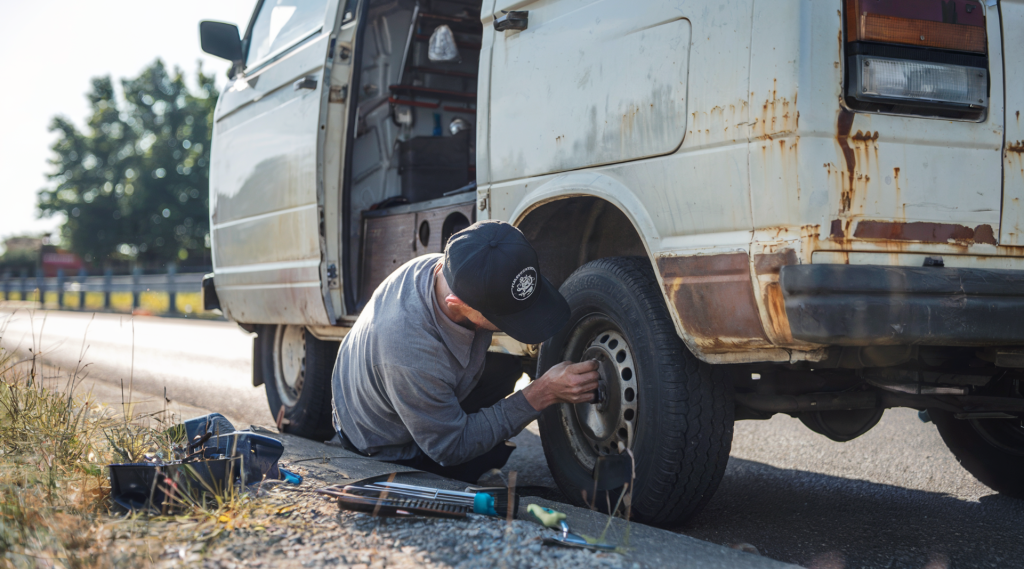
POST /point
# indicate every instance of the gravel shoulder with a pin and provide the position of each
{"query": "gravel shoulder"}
(481, 541)
(291, 526)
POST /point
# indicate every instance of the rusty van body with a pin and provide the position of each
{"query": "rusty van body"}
(828, 195)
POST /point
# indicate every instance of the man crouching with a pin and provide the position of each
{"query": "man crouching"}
(414, 383)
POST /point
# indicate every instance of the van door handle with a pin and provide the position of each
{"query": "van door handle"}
(307, 82)
(515, 20)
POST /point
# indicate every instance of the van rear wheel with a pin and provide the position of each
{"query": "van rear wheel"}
(297, 371)
(990, 449)
(673, 411)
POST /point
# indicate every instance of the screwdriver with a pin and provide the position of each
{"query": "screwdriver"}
(552, 519)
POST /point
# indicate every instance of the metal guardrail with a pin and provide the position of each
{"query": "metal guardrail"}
(135, 283)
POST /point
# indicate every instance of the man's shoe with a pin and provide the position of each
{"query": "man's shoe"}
(493, 478)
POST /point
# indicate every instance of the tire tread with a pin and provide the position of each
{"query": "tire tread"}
(696, 404)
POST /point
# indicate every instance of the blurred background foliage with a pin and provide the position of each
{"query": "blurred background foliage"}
(134, 185)
(15, 261)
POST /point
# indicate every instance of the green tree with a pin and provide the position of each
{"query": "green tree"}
(135, 184)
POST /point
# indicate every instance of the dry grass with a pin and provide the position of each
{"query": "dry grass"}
(52, 484)
(55, 507)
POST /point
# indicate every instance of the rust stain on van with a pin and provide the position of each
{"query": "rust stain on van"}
(766, 268)
(863, 137)
(780, 161)
(837, 231)
(629, 119)
(778, 116)
(1016, 147)
(778, 320)
(844, 122)
(719, 123)
(898, 195)
(984, 234)
(714, 296)
(925, 231)
(859, 161)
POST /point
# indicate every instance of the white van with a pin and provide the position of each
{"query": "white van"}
(752, 206)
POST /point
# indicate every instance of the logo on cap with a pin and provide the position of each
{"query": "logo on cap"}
(524, 284)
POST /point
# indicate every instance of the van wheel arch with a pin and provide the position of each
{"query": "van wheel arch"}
(572, 231)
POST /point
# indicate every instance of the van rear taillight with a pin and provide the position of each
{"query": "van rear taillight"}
(944, 24)
(926, 57)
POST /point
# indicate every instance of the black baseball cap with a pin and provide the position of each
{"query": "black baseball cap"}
(493, 268)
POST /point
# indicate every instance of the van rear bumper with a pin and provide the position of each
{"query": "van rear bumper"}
(866, 305)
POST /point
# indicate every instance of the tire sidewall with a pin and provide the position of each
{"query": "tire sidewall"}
(592, 292)
(997, 469)
(305, 418)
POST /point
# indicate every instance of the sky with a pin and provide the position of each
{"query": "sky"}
(53, 48)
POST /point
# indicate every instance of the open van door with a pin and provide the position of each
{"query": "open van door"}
(270, 256)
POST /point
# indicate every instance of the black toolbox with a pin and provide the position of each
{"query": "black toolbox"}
(432, 165)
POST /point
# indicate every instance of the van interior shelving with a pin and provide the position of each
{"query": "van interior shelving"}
(413, 147)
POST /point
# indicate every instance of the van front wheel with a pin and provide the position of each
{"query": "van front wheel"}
(673, 411)
(297, 374)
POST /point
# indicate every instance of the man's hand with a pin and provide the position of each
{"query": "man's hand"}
(564, 383)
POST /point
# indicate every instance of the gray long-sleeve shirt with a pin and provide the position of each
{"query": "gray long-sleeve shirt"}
(403, 369)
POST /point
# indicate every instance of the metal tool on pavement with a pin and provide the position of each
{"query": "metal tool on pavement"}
(555, 519)
(486, 503)
(387, 504)
(396, 499)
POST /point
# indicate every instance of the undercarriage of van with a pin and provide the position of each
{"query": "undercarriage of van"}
(974, 396)
(928, 338)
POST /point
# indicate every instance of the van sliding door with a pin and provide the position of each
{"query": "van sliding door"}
(587, 83)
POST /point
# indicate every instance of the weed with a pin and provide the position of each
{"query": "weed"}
(51, 480)
(623, 505)
(54, 487)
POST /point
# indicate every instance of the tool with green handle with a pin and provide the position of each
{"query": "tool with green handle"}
(555, 519)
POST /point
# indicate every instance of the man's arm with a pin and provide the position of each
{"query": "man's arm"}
(430, 410)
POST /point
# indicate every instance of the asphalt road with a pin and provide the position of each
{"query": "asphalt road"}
(893, 498)
(201, 363)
